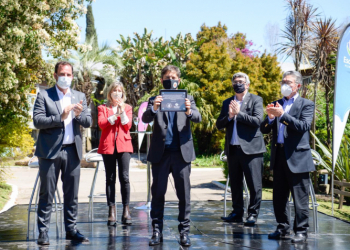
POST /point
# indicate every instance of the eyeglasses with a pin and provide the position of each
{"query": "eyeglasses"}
(286, 82)
(238, 82)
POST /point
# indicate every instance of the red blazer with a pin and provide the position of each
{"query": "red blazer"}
(123, 141)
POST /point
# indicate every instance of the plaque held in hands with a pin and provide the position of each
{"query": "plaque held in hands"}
(173, 100)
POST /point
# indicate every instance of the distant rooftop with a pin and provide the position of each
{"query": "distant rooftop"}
(287, 66)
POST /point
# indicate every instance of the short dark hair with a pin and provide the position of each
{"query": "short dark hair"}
(62, 63)
(170, 68)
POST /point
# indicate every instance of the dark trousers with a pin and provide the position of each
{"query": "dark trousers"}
(171, 162)
(68, 163)
(251, 166)
(284, 182)
(123, 159)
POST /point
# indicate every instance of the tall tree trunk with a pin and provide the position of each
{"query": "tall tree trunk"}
(328, 120)
(313, 141)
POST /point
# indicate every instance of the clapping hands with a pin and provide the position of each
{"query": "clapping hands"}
(274, 110)
(233, 109)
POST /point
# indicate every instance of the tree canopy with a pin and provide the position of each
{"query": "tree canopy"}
(90, 31)
(27, 28)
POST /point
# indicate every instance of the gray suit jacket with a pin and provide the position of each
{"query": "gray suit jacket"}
(160, 119)
(296, 135)
(248, 122)
(47, 117)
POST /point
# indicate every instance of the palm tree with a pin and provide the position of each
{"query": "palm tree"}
(91, 65)
(297, 31)
(326, 38)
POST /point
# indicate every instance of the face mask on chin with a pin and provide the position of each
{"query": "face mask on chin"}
(170, 84)
(239, 88)
(286, 90)
(64, 82)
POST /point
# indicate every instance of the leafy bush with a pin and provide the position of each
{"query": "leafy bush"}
(342, 166)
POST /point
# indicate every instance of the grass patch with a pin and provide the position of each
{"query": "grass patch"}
(324, 205)
(204, 161)
(5, 192)
(266, 192)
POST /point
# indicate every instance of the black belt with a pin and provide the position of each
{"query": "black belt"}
(279, 145)
(236, 146)
(171, 149)
(67, 145)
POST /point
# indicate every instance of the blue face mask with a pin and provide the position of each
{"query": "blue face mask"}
(239, 88)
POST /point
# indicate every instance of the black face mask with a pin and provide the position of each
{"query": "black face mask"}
(239, 88)
(170, 84)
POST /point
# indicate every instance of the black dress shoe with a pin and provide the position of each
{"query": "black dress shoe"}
(185, 240)
(232, 217)
(278, 235)
(156, 238)
(75, 235)
(299, 238)
(251, 220)
(43, 239)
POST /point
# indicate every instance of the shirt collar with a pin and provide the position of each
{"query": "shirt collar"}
(291, 99)
(60, 93)
(242, 98)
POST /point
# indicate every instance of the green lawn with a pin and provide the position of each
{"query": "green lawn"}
(202, 161)
(211, 161)
(5, 192)
(324, 205)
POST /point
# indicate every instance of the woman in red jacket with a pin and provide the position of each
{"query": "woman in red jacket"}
(115, 119)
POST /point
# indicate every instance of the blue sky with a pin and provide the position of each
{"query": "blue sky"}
(168, 18)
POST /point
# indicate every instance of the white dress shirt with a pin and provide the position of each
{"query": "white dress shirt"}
(234, 138)
(65, 100)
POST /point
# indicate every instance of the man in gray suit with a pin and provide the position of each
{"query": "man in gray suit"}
(241, 115)
(171, 150)
(290, 119)
(58, 113)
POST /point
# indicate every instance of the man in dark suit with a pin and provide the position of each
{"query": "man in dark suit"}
(291, 160)
(58, 113)
(241, 115)
(171, 150)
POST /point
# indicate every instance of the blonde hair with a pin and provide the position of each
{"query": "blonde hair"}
(112, 87)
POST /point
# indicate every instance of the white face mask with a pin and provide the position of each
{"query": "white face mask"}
(116, 95)
(64, 82)
(286, 90)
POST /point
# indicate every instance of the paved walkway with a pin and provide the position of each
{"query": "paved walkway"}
(201, 178)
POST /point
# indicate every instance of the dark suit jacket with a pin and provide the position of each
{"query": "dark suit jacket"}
(248, 122)
(47, 117)
(296, 135)
(160, 129)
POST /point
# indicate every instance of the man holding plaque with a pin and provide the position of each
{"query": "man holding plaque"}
(241, 115)
(171, 150)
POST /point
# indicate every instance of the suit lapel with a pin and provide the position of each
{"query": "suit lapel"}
(165, 117)
(280, 101)
(52, 92)
(295, 107)
(245, 101)
(74, 97)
